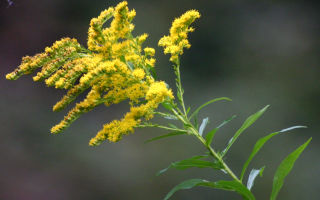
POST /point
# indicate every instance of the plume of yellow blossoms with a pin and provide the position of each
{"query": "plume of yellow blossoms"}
(113, 68)
(178, 38)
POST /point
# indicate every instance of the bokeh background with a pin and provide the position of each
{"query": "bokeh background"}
(255, 52)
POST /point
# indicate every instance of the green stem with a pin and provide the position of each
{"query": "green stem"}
(195, 132)
(160, 126)
(190, 128)
(179, 87)
(217, 156)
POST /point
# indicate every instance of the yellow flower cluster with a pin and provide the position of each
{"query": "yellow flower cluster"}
(50, 60)
(156, 94)
(178, 38)
(114, 68)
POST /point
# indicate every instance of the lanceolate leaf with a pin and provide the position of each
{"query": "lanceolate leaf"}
(224, 185)
(188, 110)
(210, 135)
(249, 121)
(184, 185)
(291, 128)
(165, 136)
(284, 169)
(259, 144)
(226, 121)
(123, 59)
(167, 105)
(207, 103)
(233, 186)
(171, 117)
(191, 162)
(153, 71)
(172, 125)
(252, 176)
(203, 125)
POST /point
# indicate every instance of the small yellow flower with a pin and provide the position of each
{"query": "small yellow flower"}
(151, 62)
(142, 38)
(149, 51)
(139, 73)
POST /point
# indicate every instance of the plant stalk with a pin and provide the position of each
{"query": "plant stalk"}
(195, 132)
(189, 127)
(179, 87)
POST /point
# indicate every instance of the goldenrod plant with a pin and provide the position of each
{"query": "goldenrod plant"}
(116, 67)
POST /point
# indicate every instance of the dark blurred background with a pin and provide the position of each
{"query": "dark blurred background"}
(255, 52)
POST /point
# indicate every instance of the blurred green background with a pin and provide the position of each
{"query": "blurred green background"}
(255, 52)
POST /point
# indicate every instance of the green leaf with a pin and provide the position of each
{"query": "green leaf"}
(184, 185)
(165, 136)
(226, 121)
(233, 186)
(196, 124)
(252, 176)
(259, 144)
(207, 103)
(191, 162)
(224, 185)
(123, 59)
(203, 125)
(210, 135)
(249, 121)
(166, 115)
(188, 110)
(284, 169)
(167, 105)
(172, 126)
(153, 71)
(170, 117)
(291, 128)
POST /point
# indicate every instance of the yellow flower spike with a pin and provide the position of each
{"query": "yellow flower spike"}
(70, 72)
(48, 69)
(107, 67)
(178, 38)
(69, 97)
(67, 75)
(24, 68)
(120, 25)
(92, 100)
(95, 33)
(65, 47)
(58, 76)
(103, 134)
(114, 131)
(61, 44)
